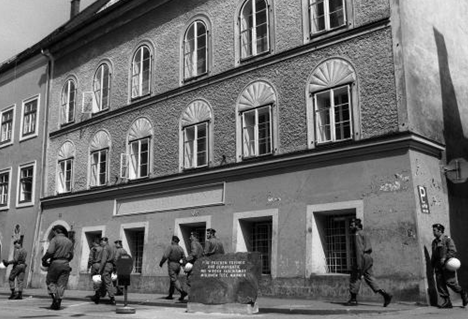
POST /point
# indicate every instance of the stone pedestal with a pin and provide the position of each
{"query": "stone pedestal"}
(225, 283)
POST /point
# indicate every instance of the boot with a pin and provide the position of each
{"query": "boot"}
(183, 294)
(352, 301)
(169, 297)
(12, 295)
(464, 297)
(96, 297)
(447, 304)
(112, 301)
(56, 304)
(19, 295)
(387, 297)
(53, 306)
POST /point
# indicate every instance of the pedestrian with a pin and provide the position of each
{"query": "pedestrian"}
(119, 251)
(106, 267)
(362, 267)
(213, 246)
(57, 258)
(174, 254)
(94, 263)
(18, 271)
(443, 248)
(196, 252)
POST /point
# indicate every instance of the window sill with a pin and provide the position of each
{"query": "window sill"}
(254, 57)
(139, 98)
(327, 33)
(28, 137)
(23, 205)
(194, 78)
(67, 124)
(6, 144)
(3, 208)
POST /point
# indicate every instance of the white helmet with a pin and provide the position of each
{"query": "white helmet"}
(188, 267)
(114, 276)
(452, 264)
(2, 265)
(97, 279)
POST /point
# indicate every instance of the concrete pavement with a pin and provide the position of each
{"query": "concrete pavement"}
(265, 304)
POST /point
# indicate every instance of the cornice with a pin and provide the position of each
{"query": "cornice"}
(308, 159)
(23, 67)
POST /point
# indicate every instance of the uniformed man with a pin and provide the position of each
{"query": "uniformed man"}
(106, 268)
(174, 254)
(213, 246)
(18, 271)
(196, 252)
(94, 263)
(57, 258)
(119, 251)
(443, 248)
(363, 266)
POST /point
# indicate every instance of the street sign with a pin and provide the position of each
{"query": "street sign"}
(457, 170)
(423, 200)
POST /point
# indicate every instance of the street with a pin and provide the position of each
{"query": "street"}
(38, 308)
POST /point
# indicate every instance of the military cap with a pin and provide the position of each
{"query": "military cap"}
(118, 241)
(105, 239)
(439, 227)
(18, 241)
(60, 229)
(175, 239)
(211, 230)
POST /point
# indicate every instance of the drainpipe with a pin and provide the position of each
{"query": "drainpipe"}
(74, 8)
(43, 185)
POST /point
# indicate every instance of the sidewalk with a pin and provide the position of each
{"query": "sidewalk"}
(265, 304)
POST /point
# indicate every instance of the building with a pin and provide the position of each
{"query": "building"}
(273, 121)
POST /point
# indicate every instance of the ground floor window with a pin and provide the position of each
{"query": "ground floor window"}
(136, 240)
(88, 236)
(339, 243)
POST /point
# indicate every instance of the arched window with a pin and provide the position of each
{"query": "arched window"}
(141, 72)
(68, 104)
(333, 107)
(326, 15)
(136, 163)
(195, 50)
(66, 156)
(101, 87)
(254, 28)
(196, 128)
(257, 118)
(99, 159)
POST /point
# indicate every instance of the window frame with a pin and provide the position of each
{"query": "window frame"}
(196, 74)
(194, 148)
(34, 122)
(98, 92)
(125, 229)
(62, 188)
(99, 152)
(87, 235)
(9, 141)
(256, 131)
(7, 194)
(137, 173)
(253, 36)
(140, 75)
(66, 102)
(23, 203)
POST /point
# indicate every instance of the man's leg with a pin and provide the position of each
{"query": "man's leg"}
(107, 281)
(372, 282)
(11, 281)
(20, 281)
(442, 289)
(354, 285)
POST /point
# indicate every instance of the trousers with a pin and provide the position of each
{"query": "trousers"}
(17, 273)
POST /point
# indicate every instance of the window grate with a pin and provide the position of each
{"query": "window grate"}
(339, 243)
(138, 240)
(261, 242)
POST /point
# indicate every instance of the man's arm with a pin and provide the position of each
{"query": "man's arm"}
(167, 252)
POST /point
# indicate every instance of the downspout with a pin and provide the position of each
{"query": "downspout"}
(36, 241)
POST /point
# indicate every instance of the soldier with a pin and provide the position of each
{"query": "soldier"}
(18, 271)
(174, 254)
(443, 248)
(213, 246)
(106, 268)
(119, 251)
(94, 262)
(57, 258)
(363, 266)
(196, 252)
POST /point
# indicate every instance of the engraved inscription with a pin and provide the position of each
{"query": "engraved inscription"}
(223, 269)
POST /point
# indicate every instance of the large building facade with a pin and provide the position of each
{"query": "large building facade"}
(273, 121)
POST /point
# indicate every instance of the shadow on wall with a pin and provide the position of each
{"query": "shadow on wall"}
(431, 287)
(456, 147)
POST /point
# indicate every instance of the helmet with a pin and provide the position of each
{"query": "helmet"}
(44, 268)
(97, 279)
(188, 267)
(2, 265)
(114, 276)
(452, 264)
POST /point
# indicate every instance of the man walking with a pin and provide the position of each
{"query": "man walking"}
(94, 263)
(174, 254)
(105, 270)
(213, 246)
(196, 252)
(119, 251)
(57, 258)
(363, 266)
(443, 248)
(18, 271)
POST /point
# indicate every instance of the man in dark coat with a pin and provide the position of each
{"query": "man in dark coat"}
(119, 251)
(94, 262)
(174, 254)
(443, 248)
(18, 271)
(213, 246)
(363, 266)
(196, 252)
(106, 267)
(57, 258)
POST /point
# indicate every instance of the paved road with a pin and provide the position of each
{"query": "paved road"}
(38, 308)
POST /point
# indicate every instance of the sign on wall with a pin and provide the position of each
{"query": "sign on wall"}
(423, 199)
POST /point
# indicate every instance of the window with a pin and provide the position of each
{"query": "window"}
(141, 72)
(101, 85)
(88, 236)
(196, 50)
(136, 162)
(333, 108)
(256, 131)
(7, 126)
(184, 226)
(136, 241)
(65, 174)
(254, 28)
(333, 114)
(99, 168)
(29, 118)
(326, 15)
(195, 145)
(260, 235)
(4, 189)
(26, 184)
(68, 102)
(139, 158)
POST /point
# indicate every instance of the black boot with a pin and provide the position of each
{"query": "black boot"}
(53, 306)
(464, 297)
(96, 297)
(352, 301)
(183, 294)
(387, 297)
(447, 304)
(19, 295)
(12, 295)
(112, 301)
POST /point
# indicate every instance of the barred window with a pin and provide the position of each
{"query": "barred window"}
(339, 243)
(136, 240)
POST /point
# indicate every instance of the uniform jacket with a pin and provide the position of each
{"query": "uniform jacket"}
(443, 248)
(363, 249)
(213, 246)
(173, 253)
(196, 251)
(19, 257)
(107, 256)
(60, 247)
(95, 255)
